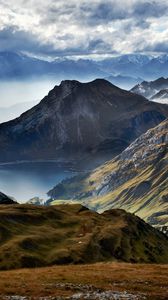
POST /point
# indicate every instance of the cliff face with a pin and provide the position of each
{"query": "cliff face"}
(136, 180)
(79, 120)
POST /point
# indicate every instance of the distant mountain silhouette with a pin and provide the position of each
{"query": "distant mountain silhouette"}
(161, 96)
(20, 66)
(149, 88)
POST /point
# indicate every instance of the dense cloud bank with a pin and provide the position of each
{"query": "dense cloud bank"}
(58, 28)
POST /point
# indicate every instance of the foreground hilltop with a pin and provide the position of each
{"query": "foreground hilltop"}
(79, 120)
(34, 236)
(136, 180)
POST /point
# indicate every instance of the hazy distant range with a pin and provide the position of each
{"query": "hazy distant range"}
(17, 96)
(24, 80)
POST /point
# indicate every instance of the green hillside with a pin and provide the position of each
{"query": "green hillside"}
(32, 236)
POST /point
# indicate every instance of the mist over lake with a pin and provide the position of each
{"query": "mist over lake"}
(24, 181)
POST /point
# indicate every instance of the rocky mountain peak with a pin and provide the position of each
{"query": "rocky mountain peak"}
(68, 86)
(65, 88)
(70, 83)
(77, 119)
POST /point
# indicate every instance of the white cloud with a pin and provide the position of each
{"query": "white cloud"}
(58, 28)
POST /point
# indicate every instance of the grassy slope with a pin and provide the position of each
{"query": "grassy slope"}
(32, 236)
(143, 205)
(122, 197)
(151, 205)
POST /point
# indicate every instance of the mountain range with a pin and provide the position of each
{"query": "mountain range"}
(20, 66)
(136, 180)
(137, 65)
(35, 236)
(161, 96)
(76, 121)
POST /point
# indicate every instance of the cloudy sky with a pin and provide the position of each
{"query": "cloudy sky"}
(84, 27)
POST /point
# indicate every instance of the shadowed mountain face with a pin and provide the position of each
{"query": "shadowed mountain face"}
(66, 234)
(77, 120)
(136, 180)
(5, 199)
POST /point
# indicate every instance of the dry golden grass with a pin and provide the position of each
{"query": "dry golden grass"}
(148, 280)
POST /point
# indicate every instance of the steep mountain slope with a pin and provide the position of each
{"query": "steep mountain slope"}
(150, 88)
(95, 120)
(5, 199)
(161, 96)
(136, 180)
(72, 234)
